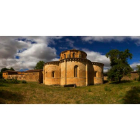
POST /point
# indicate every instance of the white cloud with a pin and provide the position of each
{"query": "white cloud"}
(71, 44)
(29, 54)
(110, 38)
(98, 57)
(103, 38)
(134, 65)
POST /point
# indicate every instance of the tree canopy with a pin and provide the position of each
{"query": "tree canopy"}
(0, 75)
(39, 65)
(4, 69)
(119, 64)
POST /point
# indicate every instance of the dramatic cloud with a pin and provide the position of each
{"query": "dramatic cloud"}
(103, 38)
(71, 44)
(98, 57)
(90, 39)
(134, 65)
(25, 52)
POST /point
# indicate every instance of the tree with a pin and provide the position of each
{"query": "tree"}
(3, 69)
(0, 75)
(138, 70)
(11, 69)
(119, 64)
(39, 65)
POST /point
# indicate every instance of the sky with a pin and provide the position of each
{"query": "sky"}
(23, 52)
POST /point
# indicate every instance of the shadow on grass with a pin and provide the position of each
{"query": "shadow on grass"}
(105, 81)
(124, 81)
(10, 96)
(132, 96)
(3, 85)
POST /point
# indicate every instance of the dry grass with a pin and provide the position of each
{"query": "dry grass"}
(34, 93)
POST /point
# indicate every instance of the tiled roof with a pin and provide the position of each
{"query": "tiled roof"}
(10, 71)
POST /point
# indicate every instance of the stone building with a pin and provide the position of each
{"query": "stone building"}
(73, 68)
(30, 75)
(6, 73)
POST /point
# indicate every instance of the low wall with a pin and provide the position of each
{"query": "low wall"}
(18, 77)
(133, 76)
(34, 78)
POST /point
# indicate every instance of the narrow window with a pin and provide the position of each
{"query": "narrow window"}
(73, 55)
(95, 73)
(75, 71)
(64, 56)
(46, 74)
(52, 73)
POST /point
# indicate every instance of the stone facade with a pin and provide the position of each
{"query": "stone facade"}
(73, 68)
(30, 75)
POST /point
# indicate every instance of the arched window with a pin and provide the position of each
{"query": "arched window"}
(73, 55)
(75, 71)
(52, 73)
(64, 56)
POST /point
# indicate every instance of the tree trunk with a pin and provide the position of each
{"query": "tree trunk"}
(119, 80)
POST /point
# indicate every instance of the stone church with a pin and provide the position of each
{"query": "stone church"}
(73, 67)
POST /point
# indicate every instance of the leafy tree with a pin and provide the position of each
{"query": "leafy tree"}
(0, 75)
(3, 69)
(39, 65)
(11, 69)
(119, 64)
(138, 70)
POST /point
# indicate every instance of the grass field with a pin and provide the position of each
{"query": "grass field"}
(34, 93)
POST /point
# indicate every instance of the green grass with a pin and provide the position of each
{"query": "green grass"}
(34, 93)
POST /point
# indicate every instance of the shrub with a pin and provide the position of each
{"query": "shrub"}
(107, 89)
(10, 81)
(24, 82)
(135, 79)
(89, 90)
(15, 81)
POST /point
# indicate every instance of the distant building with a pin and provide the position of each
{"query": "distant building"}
(73, 68)
(30, 75)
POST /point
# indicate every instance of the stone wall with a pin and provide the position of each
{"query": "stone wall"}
(98, 73)
(18, 77)
(133, 76)
(80, 80)
(48, 71)
(32, 76)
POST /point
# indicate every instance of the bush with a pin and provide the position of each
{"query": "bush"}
(9, 81)
(15, 81)
(24, 82)
(89, 90)
(135, 79)
(2, 81)
(107, 89)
